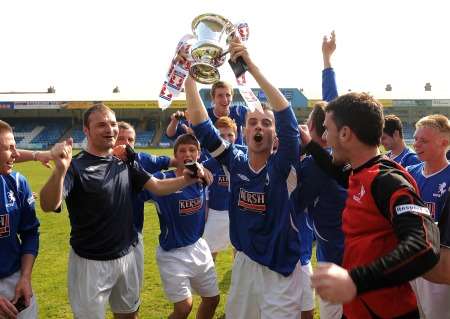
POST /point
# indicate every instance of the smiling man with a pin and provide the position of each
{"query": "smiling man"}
(19, 236)
(431, 141)
(98, 189)
(222, 97)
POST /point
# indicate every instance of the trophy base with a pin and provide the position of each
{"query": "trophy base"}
(204, 73)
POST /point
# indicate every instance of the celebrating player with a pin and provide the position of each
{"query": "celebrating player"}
(19, 236)
(264, 283)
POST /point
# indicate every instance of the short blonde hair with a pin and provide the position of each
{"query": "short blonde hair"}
(437, 121)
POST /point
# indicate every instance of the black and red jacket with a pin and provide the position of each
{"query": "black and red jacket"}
(390, 237)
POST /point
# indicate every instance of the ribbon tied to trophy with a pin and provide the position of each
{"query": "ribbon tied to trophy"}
(204, 52)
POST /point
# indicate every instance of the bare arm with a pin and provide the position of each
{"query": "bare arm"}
(162, 187)
(274, 96)
(328, 48)
(171, 129)
(195, 106)
(23, 286)
(441, 272)
(51, 193)
(42, 156)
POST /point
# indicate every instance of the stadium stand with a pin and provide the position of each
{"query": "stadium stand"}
(39, 133)
(39, 125)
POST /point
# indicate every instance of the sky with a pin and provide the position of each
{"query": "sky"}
(84, 48)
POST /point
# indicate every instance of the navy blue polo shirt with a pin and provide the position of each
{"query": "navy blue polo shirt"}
(98, 193)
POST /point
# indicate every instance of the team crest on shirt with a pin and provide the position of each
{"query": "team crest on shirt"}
(359, 196)
(252, 201)
(189, 206)
(442, 188)
(4, 226)
(222, 180)
(11, 199)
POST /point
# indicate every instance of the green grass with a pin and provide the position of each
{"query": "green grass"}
(50, 271)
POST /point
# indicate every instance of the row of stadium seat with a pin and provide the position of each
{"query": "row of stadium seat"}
(43, 133)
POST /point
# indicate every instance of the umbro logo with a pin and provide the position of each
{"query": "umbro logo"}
(92, 168)
(358, 197)
(243, 177)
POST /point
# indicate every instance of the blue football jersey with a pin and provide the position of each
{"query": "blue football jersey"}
(261, 221)
(18, 223)
(406, 158)
(324, 200)
(181, 214)
(433, 188)
(218, 191)
(306, 236)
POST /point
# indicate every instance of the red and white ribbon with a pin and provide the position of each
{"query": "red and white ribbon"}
(178, 71)
(246, 92)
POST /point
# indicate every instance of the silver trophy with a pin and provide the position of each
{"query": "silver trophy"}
(212, 33)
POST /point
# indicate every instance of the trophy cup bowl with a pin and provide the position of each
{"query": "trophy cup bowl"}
(211, 32)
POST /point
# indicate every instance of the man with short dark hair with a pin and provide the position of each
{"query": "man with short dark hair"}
(392, 140)
(19, 236)
(98, 190)
(265, 277)
(389, 235)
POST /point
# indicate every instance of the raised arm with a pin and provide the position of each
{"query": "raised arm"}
(275, 98)
(171, 129)
(329, 87)
(194, 104)
(328, 48)
(51, 193)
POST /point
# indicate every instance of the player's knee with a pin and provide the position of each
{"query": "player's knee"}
(183, 308)
(211, 302)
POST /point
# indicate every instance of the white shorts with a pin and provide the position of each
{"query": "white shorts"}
(258, 292)
(329, 310)
(139, 255)
(92, 283)
(217, 230)
(307, 300)
(187, 269)
(8, 288)
(432, 299)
